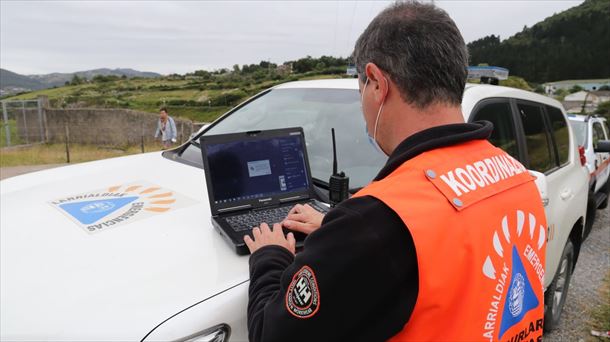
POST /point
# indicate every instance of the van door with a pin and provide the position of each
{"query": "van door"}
(602, 170)
(543, 155)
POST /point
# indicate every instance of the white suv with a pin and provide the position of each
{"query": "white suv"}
(124, 249)
(534, 130)
(591, 133)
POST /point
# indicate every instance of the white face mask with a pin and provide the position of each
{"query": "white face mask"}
(373, 139)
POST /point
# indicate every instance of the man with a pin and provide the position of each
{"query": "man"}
(437, 246)
(166, 127)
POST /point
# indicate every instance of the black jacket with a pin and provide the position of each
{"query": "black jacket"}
(363, 259)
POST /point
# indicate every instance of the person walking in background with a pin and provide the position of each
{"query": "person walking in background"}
(166, 127)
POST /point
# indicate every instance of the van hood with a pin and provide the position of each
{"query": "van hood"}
(107, 250)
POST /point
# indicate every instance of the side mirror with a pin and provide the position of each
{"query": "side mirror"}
(542, 186)
(602, 146)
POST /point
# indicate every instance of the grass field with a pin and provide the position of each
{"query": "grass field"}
(600, 315)
(12, 124)
(56, 153)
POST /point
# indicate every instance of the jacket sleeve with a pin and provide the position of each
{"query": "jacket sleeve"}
(174, 131)
(360, 273)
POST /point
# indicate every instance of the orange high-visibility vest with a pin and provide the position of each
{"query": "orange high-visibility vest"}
(479, 231)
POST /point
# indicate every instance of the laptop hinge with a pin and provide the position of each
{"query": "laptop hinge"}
(239, 207)
(289, 199)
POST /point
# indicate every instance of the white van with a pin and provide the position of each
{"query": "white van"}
(591, 134)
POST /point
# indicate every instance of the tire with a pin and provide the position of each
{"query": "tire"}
(555, 296)
(591, 212)
(605, 189)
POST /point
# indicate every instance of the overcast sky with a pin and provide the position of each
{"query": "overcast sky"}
(178, 37)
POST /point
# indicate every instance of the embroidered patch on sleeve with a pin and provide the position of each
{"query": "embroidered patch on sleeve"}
(303, 297)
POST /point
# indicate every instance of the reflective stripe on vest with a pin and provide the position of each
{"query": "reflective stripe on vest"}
(479, 231)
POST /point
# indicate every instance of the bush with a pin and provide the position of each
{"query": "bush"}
(603, 109)
(229, 98)
(103, 79)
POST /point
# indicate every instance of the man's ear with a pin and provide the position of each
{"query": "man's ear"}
(378, 81)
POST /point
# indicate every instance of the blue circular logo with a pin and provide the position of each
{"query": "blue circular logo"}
(517, 292)
(97, 207)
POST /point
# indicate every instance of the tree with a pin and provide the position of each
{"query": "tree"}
(203, 74)
(575, 89)
(603, 109)
(76, 80)
(304, 64)
(516, 82)
(560, 93)
(572, 44)
(103, 79)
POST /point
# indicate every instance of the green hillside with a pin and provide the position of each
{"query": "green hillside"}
(200, 96)
(574, 44)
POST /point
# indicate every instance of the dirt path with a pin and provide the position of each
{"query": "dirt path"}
(12, 171)
(592, 265)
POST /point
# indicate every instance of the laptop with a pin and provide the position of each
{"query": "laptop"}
(256, 177)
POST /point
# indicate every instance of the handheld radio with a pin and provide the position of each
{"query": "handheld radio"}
(338, 185)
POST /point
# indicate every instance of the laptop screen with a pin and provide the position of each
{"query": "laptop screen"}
(256, 168)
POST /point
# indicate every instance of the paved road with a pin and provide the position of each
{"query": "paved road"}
(593, 263)
(6, 172)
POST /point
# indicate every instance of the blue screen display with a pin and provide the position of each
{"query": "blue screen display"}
(257, 168)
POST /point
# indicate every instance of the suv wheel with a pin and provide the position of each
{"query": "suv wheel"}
(555, 296)
(605, 189)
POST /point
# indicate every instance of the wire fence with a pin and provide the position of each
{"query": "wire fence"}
(27, 123)
(22, 123)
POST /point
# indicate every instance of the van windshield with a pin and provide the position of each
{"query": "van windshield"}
(580, 132)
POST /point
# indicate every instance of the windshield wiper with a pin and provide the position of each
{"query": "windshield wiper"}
(320, 183)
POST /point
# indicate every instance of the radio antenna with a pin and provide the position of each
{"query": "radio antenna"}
(334, 152)
(338, 184)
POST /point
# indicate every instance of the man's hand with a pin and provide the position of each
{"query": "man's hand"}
(303, 218)
(264, 236)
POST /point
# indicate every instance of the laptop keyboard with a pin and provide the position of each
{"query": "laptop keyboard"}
(270, 216)
(255, 218)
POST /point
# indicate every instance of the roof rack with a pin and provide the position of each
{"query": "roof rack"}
(488, 74)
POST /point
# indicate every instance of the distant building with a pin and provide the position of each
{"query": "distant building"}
(351, 70)
(603, 95)
(10, 90)
(573, 103)
(591, 85)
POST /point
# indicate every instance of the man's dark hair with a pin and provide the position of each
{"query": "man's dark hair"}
(420, 48)
(163, 109)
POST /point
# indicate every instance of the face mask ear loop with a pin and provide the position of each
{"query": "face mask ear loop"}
(377, 120)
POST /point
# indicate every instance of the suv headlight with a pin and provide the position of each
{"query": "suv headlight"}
(217, 333)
